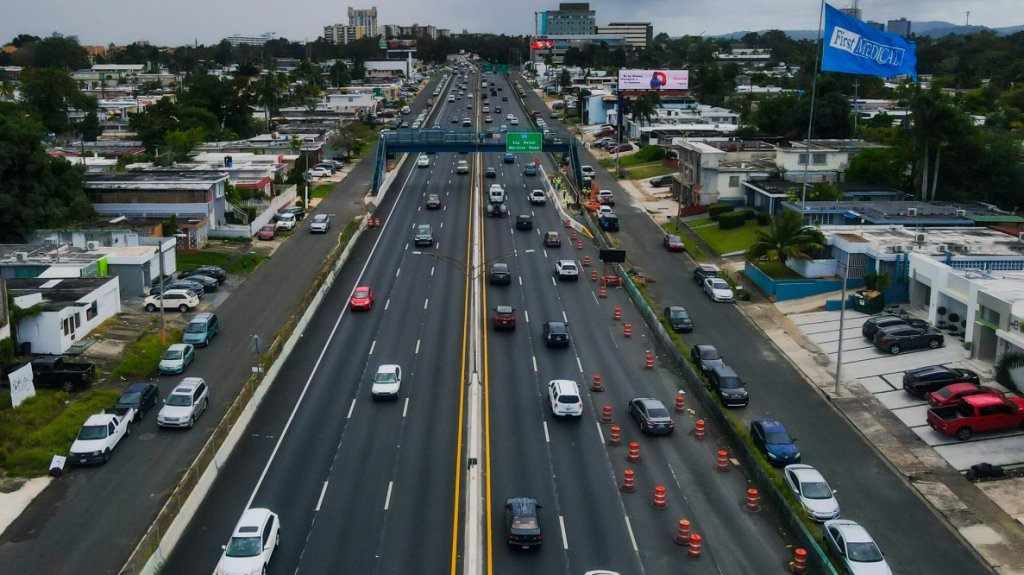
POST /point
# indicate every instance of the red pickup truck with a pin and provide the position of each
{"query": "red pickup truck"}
(976, 414)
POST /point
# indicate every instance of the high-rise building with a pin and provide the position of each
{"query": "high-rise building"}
(364, 18)
(876, 25)
(901, 27)
(238, 39)
(571, 19)
(636, 34)
(341, 33)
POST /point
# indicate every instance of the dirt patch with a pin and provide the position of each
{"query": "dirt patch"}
(11, 484)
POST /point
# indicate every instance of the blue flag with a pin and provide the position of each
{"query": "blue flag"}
(852, 46)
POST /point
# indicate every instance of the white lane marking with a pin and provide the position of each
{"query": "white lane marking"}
(534, 364)
(417, 347)
(351, 408)
(387, 500)
(437, 245)
(442, 225)
(426, 302)
(553, 282)
(526, 315)
(578, 363)
(545, 253)
(320, 501)
(407, 247)
(565, 541)
(565, 318)
(405, 409)
(418, 208)
(372, 346)
(632, 538)
(547, 438)
(386, 304)
(431, 270)
(600, 432)
(595, 298)
(398, 272)
(520, 280)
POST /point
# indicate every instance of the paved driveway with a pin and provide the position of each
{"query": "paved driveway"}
(882, 375)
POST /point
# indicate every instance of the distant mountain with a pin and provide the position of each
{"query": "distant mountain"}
(934, 29)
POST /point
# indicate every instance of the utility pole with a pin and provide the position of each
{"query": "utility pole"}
(842, 317)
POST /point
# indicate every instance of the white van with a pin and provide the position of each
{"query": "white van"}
(406, 110)
(496, 194)
(565, 398)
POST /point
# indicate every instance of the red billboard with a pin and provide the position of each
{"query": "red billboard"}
(542, 45)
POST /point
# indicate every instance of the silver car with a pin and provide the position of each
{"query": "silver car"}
(320, 224)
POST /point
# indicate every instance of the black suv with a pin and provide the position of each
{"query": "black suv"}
(524, 222)
(522, 522)
(499, 274)
(899, 338)
(215, 272)
(678, 318)
(703, 272)
(728, 386)
(556, 334)
(874, 324)
(706, 356)
(297, 211)
(924, 380)
(661, 180)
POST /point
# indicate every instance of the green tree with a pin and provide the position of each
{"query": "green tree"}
(89, 127)
(36, 190)
(52, 93)
(181, 143)
(787, 238)
(642, 108)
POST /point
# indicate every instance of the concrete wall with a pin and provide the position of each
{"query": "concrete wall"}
(814, 268)
(45, 332)
(793, 289)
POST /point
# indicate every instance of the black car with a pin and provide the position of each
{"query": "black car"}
(651, 415)
(703, 272)
(180, 284)
(556, 334)
(139, 396)
(209, 284)
(706, 356)
(899, 338)
(499, 274)
(296, 211)
(524, 222)
(659, 181)
(522, 522)
(678, 318)
(215, 272)
(874, 324)
(490, 173)
(725, 383)
(924, 380)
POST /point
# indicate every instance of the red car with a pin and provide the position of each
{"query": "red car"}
(673, 243)
(952, 394)
(504, 317)
(623, 147)
(362, 298)
(267, 232)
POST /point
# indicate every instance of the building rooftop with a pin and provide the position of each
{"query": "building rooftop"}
(936, 242)
(880, 212)
(1006, 285)
(57, 292)
(157, 179)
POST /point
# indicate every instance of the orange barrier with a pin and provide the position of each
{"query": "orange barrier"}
(606, 414)
(680, 403)
(699, 430)
(602, 292)
(682, 533)
(593, 276)
(586, 261)
(634, 452)
(753, 500)
(627, 330)
(616, 436)
(579, 244)
(617, 313)
(798, 566)
(695, 545)
(658, 501)
(650, 361)
(596, 384)
(723, 461)
(572, 235)
(628, 481)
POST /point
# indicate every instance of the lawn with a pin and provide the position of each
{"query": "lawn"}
(728, 241)
(649, 170)
(778, 271)
(322, 190)
(692, 247)
(232, 263)
(142, 357)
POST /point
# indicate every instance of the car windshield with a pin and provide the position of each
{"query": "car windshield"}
(130, 397)
(525, 522)
(172, 354)
(719, 284)
(194, 327)
(386, 377)
(816, 490)
(863, 552)
(945, 392)
(678, 314)
(93, 432)
(777, 438)
(267, 229)
(361, 293)
(179, 400)
(673, 238)
(243, 547)
(708, 353)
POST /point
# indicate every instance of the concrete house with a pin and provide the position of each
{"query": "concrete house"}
(71, 308)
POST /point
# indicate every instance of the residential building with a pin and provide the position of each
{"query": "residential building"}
(714, 171)
(5, 317)
(365, 20)
(635, 34)
(776, 194)
(571, 19)
(679, 117)
(901, 27)
(237, 40)
(71, 308)
(341, 33)
(819, 160)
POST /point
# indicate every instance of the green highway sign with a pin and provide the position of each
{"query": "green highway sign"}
(524, 142)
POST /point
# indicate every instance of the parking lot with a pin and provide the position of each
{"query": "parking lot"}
(882, 375)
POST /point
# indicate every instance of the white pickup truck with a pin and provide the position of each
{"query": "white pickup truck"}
(99, 436)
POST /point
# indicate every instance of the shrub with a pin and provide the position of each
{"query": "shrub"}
(748, 214)
(719, 209)
(650, 153)
(764, 219)
(730, 220)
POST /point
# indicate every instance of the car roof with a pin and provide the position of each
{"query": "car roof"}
(177, 346)
(852, 532)
(187, 385)
(929, 369)
(556, 325)
(179, 291)
(705, 347)
(138, 386)
(708, 267)
(522, 506)
(251, 522)
(770, 424)
(205, 316)
(319, 217)
(649, 401)
(806, 473)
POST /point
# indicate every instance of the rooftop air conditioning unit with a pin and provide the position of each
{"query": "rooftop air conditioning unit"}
(943, 248)
(961, 213)
(919, 238)
(912, 212)
(890, 249)
(20, 256)
(1020, 236)
(92, 245)
(898, 249)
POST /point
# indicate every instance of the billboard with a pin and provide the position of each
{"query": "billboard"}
(542, 45)
(637, 81)
(395, 44)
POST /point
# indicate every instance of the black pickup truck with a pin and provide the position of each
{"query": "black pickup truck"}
(53, 371)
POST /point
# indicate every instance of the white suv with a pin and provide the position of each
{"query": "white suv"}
(567, 270)
(565, 398)
(179, 299)
(183, 406)
(252, 543)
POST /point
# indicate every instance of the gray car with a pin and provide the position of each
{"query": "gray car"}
(900, 338)
(424, 235)
(706, 357)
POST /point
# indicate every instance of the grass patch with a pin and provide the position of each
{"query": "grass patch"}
(777, 270)
(692, 247)
(321, 191)
(190, 260)
(644, 171)
(728, 241)
(44, 426)
(142, 356)
(700, 222)
(245, 264)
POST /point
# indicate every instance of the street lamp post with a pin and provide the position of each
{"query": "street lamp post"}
(842, 317)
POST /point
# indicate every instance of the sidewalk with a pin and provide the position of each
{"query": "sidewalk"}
(988, 515)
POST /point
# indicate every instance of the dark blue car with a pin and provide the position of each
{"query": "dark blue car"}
(772, 439)
(529, 170)
(509, 158)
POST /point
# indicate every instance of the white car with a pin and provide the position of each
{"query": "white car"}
(99, 436)
(319, 172)
(603, 210)
(509, 116)
(179, 299)
(320, 224)
(810, 487)
(423, 161)
(565, 398)
(717, 289)
(387, 382)
(855, 548)
(462, 167)
(252, 543)
(567, 270)
(285, 222)
(587, 171)
(183, 406)
(514, 121)
(538, 198)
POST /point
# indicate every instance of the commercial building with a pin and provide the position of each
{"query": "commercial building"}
(901, 27)
(238, 39)
(635, 34)
(571, 19)
(70, 309)
(365, 20)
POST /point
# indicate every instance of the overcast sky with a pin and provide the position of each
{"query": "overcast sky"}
(177, 22)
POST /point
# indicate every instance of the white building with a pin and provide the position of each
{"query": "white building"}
(714, 170)
(635, 34)
(237, 40)
(71, 308)
(820, 160)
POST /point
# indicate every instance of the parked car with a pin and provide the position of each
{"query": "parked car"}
(504, 317)
(267, 232)
(326, 166)
(556, 334)
(98, 437)
(924, 380)
(201, 329)
(706, 357)
(810, 488)
(703, 272)
(855, 548)
(215, 272)
(180, 284)
(718, 289)
(727, 385)
(499, 274)
(522, 522)
(678, 318)
(387, 382)
(952, 394)
(874, 324)
(320, 224)
(772, 439)
(176, 359)
(321, 172)
(208, 284)
(140, 398)
(564, 396)
(977, 414)
(537, 198)
(253, 541)
(285, 222)
(55, 371)
(552, 240)
(619, 148)
(608, 221)
(673, 243)
(181, 300)
(659, 181)
(899, 338)
(650, 414)
(361, 298)
(183, 406)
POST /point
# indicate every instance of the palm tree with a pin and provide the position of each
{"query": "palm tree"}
(787, 238)
(6, 90)
(642, 108)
